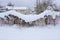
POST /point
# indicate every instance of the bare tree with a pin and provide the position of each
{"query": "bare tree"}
(1, 6)
(55, 7)
(40, 7)
(10, 4)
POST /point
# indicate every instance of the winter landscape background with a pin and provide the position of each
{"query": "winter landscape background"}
(16, 25)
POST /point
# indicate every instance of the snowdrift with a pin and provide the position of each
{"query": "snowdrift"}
(31, 17)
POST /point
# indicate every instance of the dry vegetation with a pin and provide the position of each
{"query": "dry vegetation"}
(47, 20)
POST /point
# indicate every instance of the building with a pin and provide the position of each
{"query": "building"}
(23, 10)
(2, 9)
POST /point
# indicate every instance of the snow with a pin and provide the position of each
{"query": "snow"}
(50, 12)
(57, 2)
(21, 8)
(9, 7)
(30, 17)
(15, 32)
(31, 33)
(15, 8)
(27, 18)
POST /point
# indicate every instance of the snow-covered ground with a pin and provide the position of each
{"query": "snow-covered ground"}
(18, 32)
(32, 33)
(15, 32)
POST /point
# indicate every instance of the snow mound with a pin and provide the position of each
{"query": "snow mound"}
(50, 12)
(31, 17)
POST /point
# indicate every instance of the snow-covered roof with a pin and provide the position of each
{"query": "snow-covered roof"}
(31, 17)
(20, 8)
(10, 7)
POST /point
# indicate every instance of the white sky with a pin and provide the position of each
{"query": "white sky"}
(28, 3)
(25, 3)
